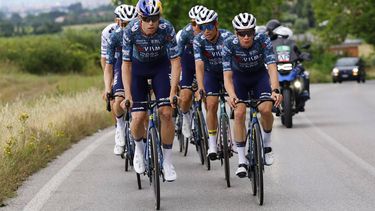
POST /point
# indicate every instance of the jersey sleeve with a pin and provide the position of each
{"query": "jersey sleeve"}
(182, 41)
(171, 43)
(227, 55)
(127, 48)
(269, 55)
(198, 54)
(111, 50)
(104, 44)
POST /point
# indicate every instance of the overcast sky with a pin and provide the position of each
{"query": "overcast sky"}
(25, 4)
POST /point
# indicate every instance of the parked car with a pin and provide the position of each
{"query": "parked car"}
(349, 68)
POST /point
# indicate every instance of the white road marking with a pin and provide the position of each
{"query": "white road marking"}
(336, 144)
(45, 193)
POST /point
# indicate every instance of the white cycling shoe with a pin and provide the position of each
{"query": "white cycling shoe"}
(268, 156)
(169, 172)
(118, 150)
(138, 161)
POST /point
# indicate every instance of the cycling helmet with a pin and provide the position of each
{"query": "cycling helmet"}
(127, 12)
(117, 11)
(149, 7)
(272, 24)
(244, 21)
(194, 11)
(206, 16)
(283, 31)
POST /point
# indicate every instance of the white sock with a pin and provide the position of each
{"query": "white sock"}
(120, 121)
(186, 116)
(266, 139)
(241, 155)
(167, 154)
(139, 146)
(212, 142)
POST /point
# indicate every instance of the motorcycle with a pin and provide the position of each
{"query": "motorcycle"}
(292, 79)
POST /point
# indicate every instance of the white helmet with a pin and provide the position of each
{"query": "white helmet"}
(283, 31)
(206, 16)
(127, 12)
(244, 21)
(194, 11)
(117, 11)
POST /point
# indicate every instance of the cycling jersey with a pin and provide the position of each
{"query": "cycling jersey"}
(185, 45)
(149, 48)
(236, 58)
(107, 31)
(210, 53)
(114, 54)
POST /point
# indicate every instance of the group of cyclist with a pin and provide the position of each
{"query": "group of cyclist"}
(142, 45)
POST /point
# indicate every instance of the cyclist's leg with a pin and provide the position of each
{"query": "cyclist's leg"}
(118, 90)
(241, 90)
(212, 87)
(161, 86)
(262, 90)
(139, 116)
(188, 72)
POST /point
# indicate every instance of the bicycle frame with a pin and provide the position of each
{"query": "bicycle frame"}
(253, 121)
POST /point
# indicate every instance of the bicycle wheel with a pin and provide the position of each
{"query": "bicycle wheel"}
(204, 141)
(224, 127)
(127, 151)
(186, 146)
(197, 134)
(250, 156)
(259, 164)
(155, 167)
(180, 136)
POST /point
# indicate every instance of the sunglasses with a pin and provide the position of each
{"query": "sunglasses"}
(249, 33)
(207, 26)
(153, 18)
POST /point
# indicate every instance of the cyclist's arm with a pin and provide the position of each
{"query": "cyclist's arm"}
(274, 78)
(108, 77)
(176, 71)
(126, 78)
(199, 64)
(103, 61)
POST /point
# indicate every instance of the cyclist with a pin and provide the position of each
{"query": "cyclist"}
(244, 57)
(114, 61)
(185, 44)
(209, 69)
(150, 51)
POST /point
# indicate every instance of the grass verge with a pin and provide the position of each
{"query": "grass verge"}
(33, 135)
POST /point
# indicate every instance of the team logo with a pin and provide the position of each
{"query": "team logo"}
(162, 26)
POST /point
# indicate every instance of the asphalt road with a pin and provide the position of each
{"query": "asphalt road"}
(325, 162)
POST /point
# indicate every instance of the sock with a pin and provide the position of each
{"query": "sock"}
(267, 138)
(139, 146)
(241, 153)
(212, 140)
(120, 121)
(186, 116)
(167, 153)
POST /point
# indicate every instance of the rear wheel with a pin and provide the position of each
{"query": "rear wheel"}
(186, 146)
(224, 137)
(155, 167)
(197, 134)
(287, 108)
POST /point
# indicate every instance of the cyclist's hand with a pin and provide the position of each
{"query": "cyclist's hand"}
(104, 95)
(233, 101)
(201, 94)
(126, 104)
(174, 100)
(278, 98)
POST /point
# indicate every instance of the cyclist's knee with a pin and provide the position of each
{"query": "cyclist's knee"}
(138, 118)
(212, 105)
(165, 113)
(266, 110)
(240, 114)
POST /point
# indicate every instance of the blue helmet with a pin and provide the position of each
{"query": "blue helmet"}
(149, 7)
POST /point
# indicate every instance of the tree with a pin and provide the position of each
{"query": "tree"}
(344, 17)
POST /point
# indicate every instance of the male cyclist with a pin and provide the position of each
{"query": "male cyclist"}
(185, 44)
(244, 57)
(114, 61)
(150, 51)
(209, 69)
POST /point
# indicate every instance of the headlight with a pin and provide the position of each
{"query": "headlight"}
(335, 71)
(297, 84)
(355, 71)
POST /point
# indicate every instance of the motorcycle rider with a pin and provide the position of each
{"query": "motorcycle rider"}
(280, 35)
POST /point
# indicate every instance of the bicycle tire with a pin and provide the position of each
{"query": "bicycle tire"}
(259, 164)
(198, 138)
(224, 142)
(186, 146)
(155, 167)
(127, 156)
(250, 156)
(204, 141)
(139, 181)
(180, 136)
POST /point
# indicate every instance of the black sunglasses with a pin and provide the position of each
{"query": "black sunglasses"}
(153, 18)
(249, 33)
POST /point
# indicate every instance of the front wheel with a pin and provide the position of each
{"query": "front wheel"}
(287, 116)
(258, 163)
(155, 167)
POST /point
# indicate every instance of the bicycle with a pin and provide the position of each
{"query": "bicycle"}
(255, 154)
(183, 142)
(199, 131)
(224, 137)
(153, 153)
